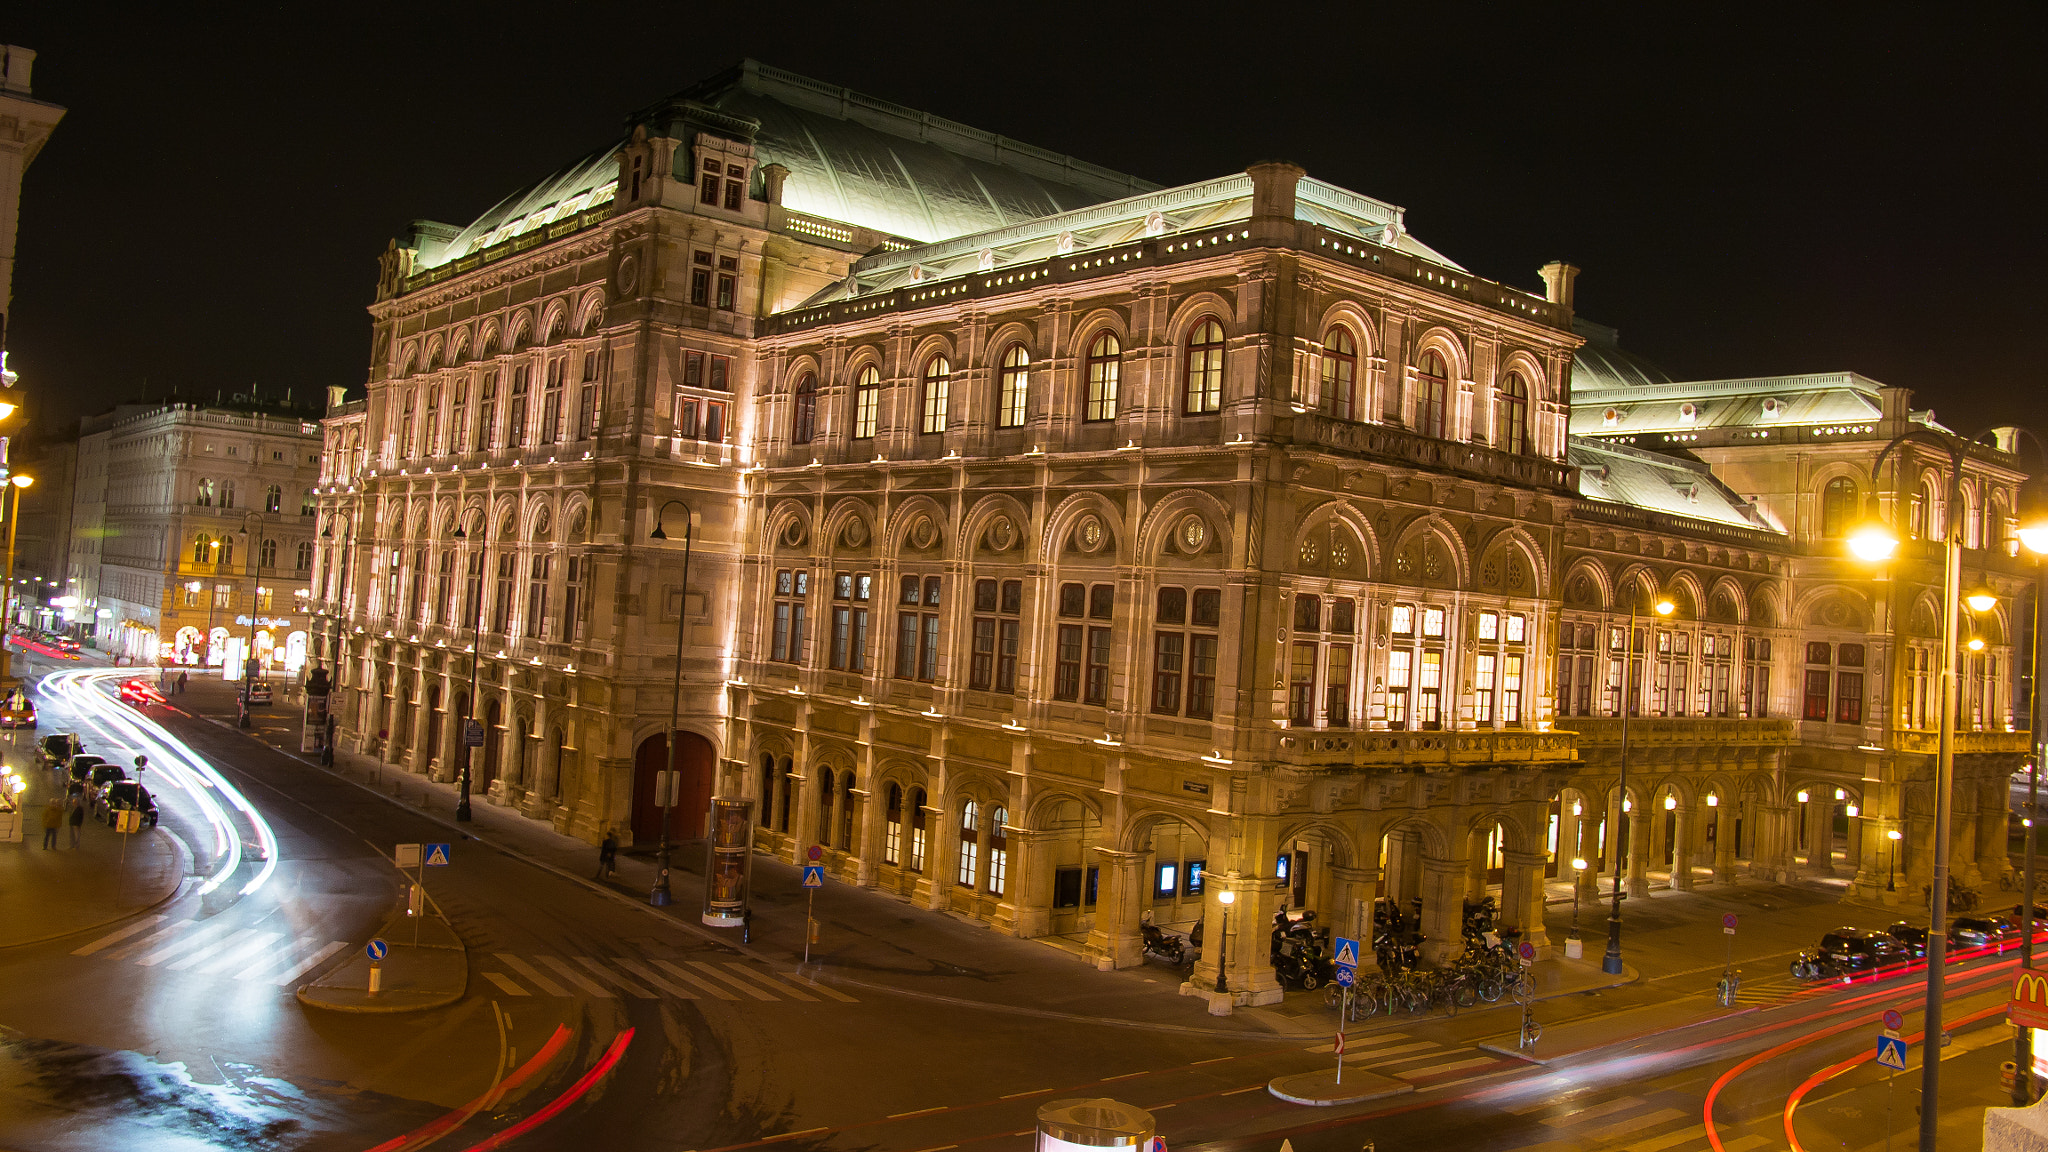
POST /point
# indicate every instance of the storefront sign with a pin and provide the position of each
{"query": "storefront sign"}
(2028, 1007)
(1195, 786)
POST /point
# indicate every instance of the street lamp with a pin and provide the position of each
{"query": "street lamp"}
(1873, 540)
(660, 895)
(476, 656)
(1578, 866)
(1662, 606)
(13, 520)
(1226, 898)
(249, 545)
(1891, 871)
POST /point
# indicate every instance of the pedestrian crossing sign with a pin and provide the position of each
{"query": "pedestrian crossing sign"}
(1891, 1053)
(437, 855)
(1347, 953)
(814, 875)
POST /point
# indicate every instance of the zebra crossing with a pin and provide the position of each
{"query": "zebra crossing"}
(1636, 1123)
(610, 977)
(213, 948)
(1403, 1057)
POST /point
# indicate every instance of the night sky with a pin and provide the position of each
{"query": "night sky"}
(1783, 189)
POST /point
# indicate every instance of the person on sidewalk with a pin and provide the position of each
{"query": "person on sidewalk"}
(53, 818)
(607, 855)
(181, 682)
(77, 819)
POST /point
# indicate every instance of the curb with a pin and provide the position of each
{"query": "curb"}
(425, 1003)
(1320, 1089)
(177, 890)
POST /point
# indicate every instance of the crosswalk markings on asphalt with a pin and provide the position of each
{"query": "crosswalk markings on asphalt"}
(1416, 1060)
(609, 977)
(211, 949)
(1629, 1122)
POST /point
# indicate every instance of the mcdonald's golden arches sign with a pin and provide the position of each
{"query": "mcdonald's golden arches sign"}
(2029, 1005)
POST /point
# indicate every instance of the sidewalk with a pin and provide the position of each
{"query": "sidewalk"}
(48, 894)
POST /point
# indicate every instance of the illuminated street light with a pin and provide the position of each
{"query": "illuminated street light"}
(1981, 599)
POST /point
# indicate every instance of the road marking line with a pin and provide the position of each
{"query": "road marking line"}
(630, 987)
(1159, 1107)
(1672, 1139)
(1125, 1076)
(1215, 1060)
(1415, 1073)
(919, 1112)
(176, 946)
(118, 935)
(240, 952)
(130, 951)
(810, 1131)
(1242, 1091)
(939, 1148)
(647, 974)
(715, 974)
(285, 953)
(770, 983)
(1594, 1113)
(532, 974)
(813, 985)
(1742, 1144)
(1635, 1123)
(506, 986)
(1033, 1092)
(1411, 1049)
(699, 981)
(562, 968)
(309, 963)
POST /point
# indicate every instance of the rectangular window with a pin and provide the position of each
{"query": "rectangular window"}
(1201, 676)
(1489, 625)
(1816, 695)
(486, 433)
(1484, 668)
(1511, 690)
(1183, 662)
(501, 612)
(721, 374)
(458, 418)
(791, 586)
(714, 421)
(1337, 686)
(551, 402)
(867, 409)
(1848, 697)
(1066, 681)
(707, 193)
(693, 369)
(728, 282)
(1432, 622)
(539, 573)
(1516, 625)
(1301, 686)
(700, 279)
(1401, 620)
(1400, 671)
(1429, 691)
(1168, 657)
(686, 419)
(1098, 667)
(996, 631)
(735, 186)
(573, 600)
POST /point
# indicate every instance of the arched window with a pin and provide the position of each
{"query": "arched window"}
(268, 555)
(917, 830)
(826, 787)
(273, 498)
(767, 788)
(224, 552)
(892, 826)
(1340, 373)
(803, 424)
(1105, 367)
(1432, 394)
(1837, 507)
(970, 843)
(305, 563)
(1203, 370)
(998, 851)
(206, 493)
(1015, 386)
(846, 811)
(938, 383)
(307, 504)
(867, 403)
(227, 494)
(1511, 415)
(202, 549)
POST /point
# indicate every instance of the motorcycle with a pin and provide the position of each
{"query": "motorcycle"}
(1303, 966)
(1163, 944)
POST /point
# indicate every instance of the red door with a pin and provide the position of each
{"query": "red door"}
(694, 761)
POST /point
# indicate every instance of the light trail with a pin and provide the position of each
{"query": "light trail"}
(184, 767)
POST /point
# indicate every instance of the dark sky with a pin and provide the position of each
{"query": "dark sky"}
(1788, 188)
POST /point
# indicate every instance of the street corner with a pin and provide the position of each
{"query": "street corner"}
(1323, 1089)
(405, 980)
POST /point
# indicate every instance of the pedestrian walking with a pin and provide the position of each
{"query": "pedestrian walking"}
(747, 925)
(181, 682)
(53, 818)
(77, 820)
(607, 855)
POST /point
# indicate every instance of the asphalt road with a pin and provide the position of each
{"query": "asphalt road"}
(593, 1019)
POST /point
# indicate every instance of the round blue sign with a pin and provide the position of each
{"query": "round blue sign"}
(378, 949)
(1346, 975)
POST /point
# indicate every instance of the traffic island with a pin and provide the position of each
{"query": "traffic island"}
(1320, 1089)
(413, 977)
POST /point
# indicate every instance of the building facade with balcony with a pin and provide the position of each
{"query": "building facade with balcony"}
(194, 527)
(1061, 551)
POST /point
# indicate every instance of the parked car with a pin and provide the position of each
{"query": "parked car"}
(103, 775)
(1980, 931)
(120, 796)
(83, 764)
(1914, 937)
(140, 693)
(58, 748)
(17, 710)
(1848, 951)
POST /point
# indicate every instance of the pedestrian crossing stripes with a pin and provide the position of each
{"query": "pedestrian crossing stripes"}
(1631, 1122)
(213, 949)
(1398, 1055)
(613, 976)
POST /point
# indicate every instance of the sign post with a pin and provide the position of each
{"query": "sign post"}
(1525, 991)
(814, 879)
(377, 950)
(1730, 980)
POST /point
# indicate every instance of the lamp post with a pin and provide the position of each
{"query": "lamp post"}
(1611, 962)
(476, 656)
(1873, 541)
(660, 895)
(249, 544)
(1226, 898)
(13, 520)
(1578, 866)
(336, 607)
(1891, 870)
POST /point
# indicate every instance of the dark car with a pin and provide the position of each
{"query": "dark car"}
(58, 748)
(139, 693)
(2013, 918)
(122, 795)
(83, 764)
(1854, 950)
(103, 775)
(1979, 931)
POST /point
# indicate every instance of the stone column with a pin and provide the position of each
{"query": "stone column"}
(1639, 855)
(423, 722)
(1443, 912)
(539, 804)
(1521, 897)
(1029, 902)
(1962, 856)
(1724, 842)
(1919, 859)
(1820, 838)
(1475, 873)
(1993, 858)
(874, 814)
(445, 766)
(1681, 849)
(1774, 843)
(1589, 850)
(1351, 909)
(1115, 941)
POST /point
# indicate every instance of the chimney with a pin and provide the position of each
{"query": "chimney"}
(1557, 282)
(15, 62)
(773, 175)
(1273, 189)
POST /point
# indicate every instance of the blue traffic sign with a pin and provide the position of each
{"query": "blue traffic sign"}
(437, 855)
(1346, 975)
(1891, 1053)
(1347, 953)
(814, 875)
(378, 949)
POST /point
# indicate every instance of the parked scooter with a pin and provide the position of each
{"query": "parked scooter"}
(1303, 965)
(1163, 944)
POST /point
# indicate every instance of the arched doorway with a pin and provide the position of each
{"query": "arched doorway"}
(494, 742)
(432, 736)
(695, 759)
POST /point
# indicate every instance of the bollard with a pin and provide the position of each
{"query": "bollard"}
(376, 978)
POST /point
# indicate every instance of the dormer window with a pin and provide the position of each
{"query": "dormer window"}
(723, 184)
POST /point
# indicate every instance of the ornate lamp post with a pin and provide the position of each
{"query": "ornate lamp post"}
(249, 544)
(1225, 898)
(1611, 962)
(667, 795)
(1892, 869)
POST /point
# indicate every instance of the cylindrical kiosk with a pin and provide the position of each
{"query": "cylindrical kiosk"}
(1084, 1125)
(729, 868)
